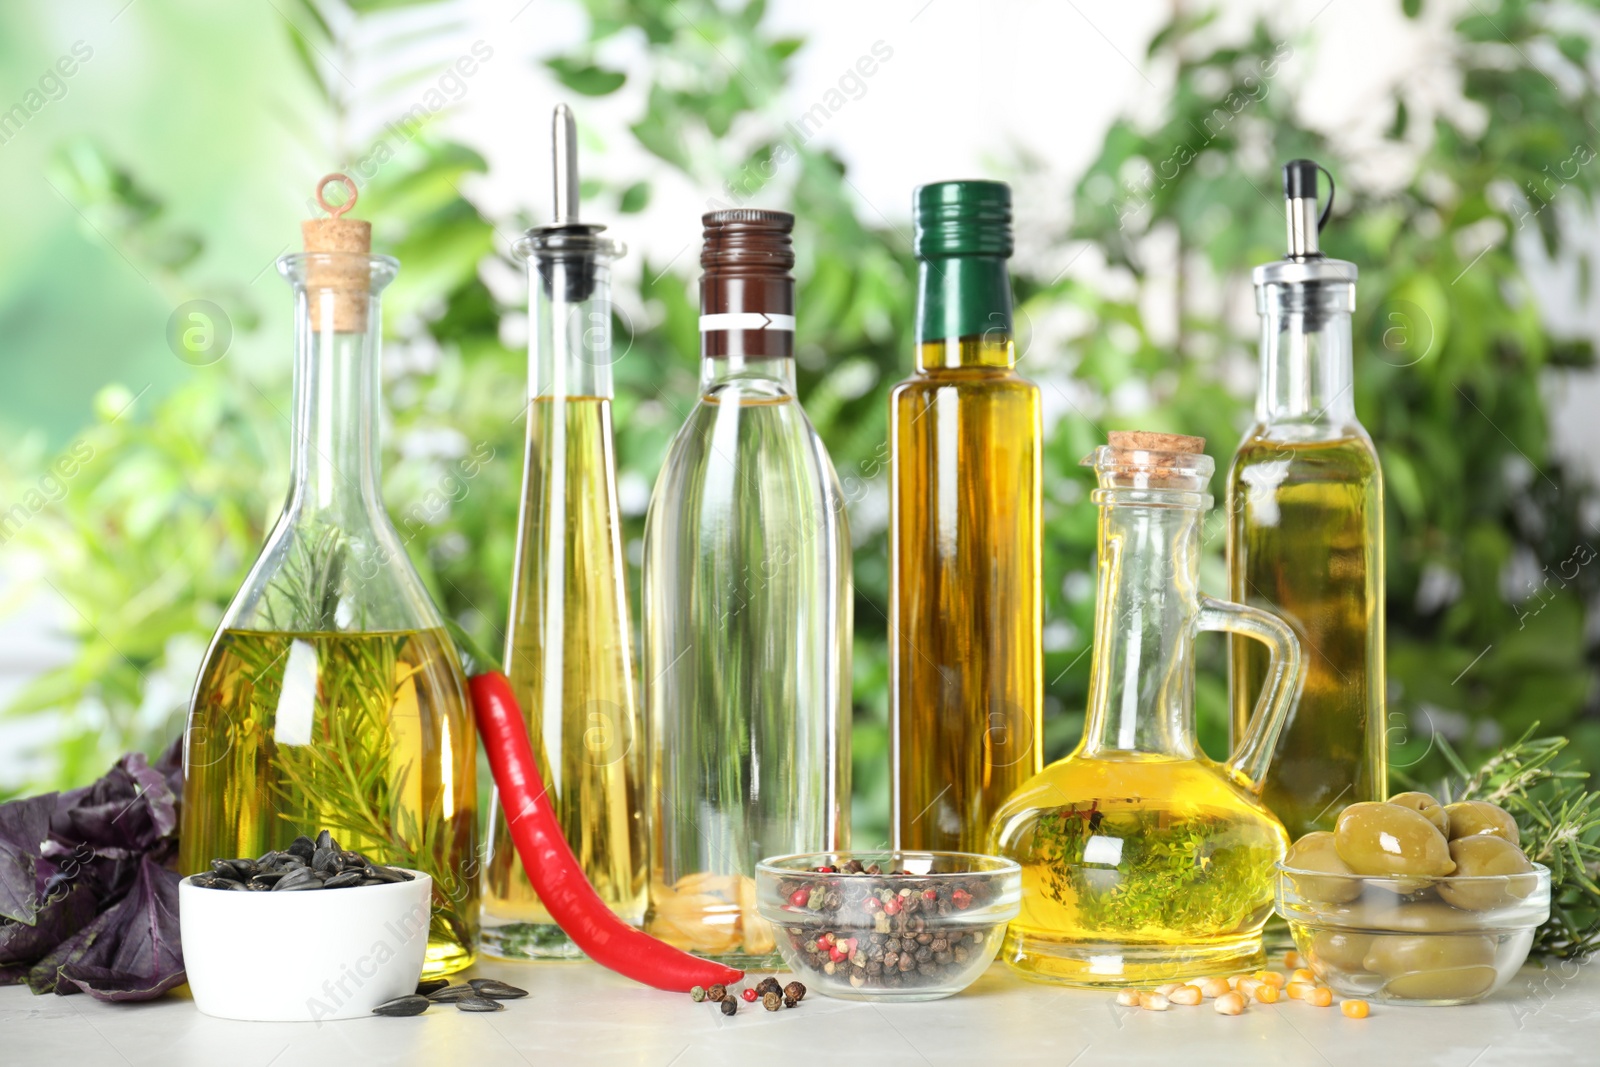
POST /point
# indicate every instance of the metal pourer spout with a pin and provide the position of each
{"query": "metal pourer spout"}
(1300, 192)
(564, 155)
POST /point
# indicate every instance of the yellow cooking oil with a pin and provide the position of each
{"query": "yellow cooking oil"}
(1306, 542)
(364, 734)
(1137, 869)
(570, 663)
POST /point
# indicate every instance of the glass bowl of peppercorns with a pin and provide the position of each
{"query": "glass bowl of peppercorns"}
(888, 925)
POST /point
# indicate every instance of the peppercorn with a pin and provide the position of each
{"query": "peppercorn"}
(772, 1002)
(795, 990)
(769, 985)
(698, 993)
(749, 995)
(717, 992)
(729, 1005)
(790, 1002)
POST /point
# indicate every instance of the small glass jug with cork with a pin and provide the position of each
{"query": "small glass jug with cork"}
(1144, 861)
(331, 697)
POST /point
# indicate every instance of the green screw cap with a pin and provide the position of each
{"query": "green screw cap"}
(968, 218)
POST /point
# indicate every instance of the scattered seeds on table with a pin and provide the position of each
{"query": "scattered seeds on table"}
(1128, 998)
(1303, 974)
(1212, 988)
(771, 1001)
(452, 993)
(1355, 1009)
(1268, 993)
(796, 990)
(1152, 1002)
(749, 995)
(1186, 995)
(1291, 959)
(769, 985)
(479, 1004)
(789, 1001)
(697, 994)
(729, 1004)
(410, 1004)
(432, 985)
(1229, 1004)
(1298, 990)
(718, 993)
(496, 990)
(1320, 997)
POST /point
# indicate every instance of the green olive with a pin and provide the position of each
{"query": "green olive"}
(1315, 852)
(1430, 808)
(1433, 966)
(1486, 854)
(1339, 949)
(1387, 839)
(1471, 817)
(1383, 910)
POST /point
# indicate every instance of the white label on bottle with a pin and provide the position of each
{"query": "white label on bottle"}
(745, 320)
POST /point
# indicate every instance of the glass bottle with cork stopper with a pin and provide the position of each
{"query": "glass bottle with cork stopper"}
(569, 654)
(1144, 861)
(331, 697)
(1305, 528)
(747, 613)
(965, 616)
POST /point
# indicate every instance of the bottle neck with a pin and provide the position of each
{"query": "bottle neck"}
(334, 451)
(570, 350)
(1306, 376)
(1141, 684)
(964, 313)
(761, 374)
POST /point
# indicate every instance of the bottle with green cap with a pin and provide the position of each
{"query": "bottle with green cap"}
(965, 609)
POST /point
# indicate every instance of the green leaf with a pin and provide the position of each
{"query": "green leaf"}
(1411, 8)
(586, 78)
(634, 198)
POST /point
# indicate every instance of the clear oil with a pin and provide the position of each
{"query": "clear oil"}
(1306, 542)
(747, 622)
(1137, 870)
(364, 734)
(967, 673)
(571, 667)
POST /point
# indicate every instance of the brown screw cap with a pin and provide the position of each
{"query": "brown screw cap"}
(747, 292)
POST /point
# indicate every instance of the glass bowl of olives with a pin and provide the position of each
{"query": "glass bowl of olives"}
(1414, 901)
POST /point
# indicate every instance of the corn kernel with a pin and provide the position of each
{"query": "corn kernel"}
(1166, 990)
(1229, 1004)
(1275, 977)
(1268, 993)
(1249, 986)
(1291, 960)
(1128, 998)
(1187, 995)
(1354, 1009)
(1298, 990)
(1320, 996)
(1212, 988)
(1153, 1001)
(1303, 974)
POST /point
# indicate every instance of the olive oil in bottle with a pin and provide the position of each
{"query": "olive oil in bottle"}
(1305, 531)
(331, 698)
(569, 654)
(966, 687)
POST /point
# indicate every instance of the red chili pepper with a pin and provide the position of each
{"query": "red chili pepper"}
(554, 870)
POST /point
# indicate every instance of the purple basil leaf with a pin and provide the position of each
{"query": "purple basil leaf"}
(123, 814)
(24, 826)
(170, 764)
(131, 952)
(68, 908)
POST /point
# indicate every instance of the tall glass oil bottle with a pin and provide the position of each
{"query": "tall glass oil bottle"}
(747, 613)
(331, 697)
(1143, 861)
(1305, 530)
(967, 687)
(569, 645)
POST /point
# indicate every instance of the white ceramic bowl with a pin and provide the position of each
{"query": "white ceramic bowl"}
(303, 956)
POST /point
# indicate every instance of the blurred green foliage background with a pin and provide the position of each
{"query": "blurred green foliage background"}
(149, 537)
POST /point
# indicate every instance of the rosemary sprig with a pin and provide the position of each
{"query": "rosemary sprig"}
(1559, 820)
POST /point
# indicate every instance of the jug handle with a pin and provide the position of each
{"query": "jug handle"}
(1285, 676)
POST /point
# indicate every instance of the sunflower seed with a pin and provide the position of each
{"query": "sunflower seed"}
(406, 1005)
(345, 878)
(479, 1004)
(299, 879)
(302, 848)
(452, 993)
(432, 985)
(488, 987)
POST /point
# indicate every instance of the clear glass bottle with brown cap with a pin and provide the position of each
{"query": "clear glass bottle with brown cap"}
(1143, 861)
(747, 613)
(1305, 529)
(331, 697)
(569, 643)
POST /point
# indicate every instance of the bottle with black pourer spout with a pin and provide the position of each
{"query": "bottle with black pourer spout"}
(1305, 528)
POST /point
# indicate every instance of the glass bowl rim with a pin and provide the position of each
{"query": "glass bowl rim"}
(999, 865)
(1540, 871)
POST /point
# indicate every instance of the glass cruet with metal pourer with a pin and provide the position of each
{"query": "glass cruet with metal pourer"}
(569, 653)
(331, 697)
(1142, 859)
(1305, 529)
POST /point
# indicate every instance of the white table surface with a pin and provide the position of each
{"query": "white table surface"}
(579, 1013)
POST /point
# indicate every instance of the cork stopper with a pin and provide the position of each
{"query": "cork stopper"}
(1143, 459)
(342, 278)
